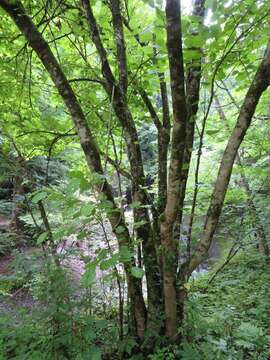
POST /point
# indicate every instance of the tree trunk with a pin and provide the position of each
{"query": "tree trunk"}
(257, 224)
(258, 86)
(167, 220)
(185, 107)
(163, 146)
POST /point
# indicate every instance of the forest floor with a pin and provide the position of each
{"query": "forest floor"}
(14, 290)
(12, 298)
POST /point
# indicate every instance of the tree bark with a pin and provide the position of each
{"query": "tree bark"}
(120, 44)
(163, 145)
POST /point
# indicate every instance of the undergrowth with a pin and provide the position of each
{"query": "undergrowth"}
(227, 320)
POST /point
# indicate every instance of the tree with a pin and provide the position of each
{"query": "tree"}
(115, 74)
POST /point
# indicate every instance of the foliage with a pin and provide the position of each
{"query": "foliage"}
(58, 327)
(229, 318)
(91, 315)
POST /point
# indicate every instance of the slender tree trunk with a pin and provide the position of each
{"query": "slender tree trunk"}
(258, 86)
(257, 224)
(163, 145)
(47, 228)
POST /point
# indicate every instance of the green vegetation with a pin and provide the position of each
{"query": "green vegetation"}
(229, 318)
(134, 179)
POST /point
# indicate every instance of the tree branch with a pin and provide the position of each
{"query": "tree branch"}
(150, 108)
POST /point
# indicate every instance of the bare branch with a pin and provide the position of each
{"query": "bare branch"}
(150, 108)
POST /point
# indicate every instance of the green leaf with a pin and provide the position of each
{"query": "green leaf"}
(120, 229)
(192, 54)
(106, 264)
(139, 224)
(87, 209)
(135, 205)
(195, 41)
(107, 204)
(212, 132)
(84, 185)
(90, 335)
(137, 272)
(102, 254)
(59, 234)
(97, 178)
(185, 166)
(90, 274)
(39, 196)
(95, 354)
(42, 237)
(82, 235)
(125, 254)
(73, 186)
